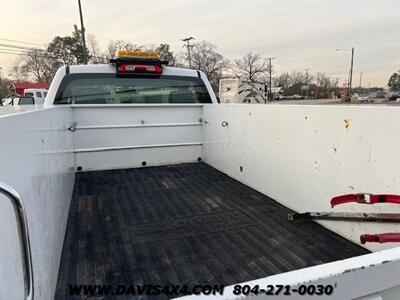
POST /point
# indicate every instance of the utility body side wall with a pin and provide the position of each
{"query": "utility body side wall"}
(303, 155)
(36, 159)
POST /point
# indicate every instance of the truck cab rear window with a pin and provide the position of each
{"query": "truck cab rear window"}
(109, 89)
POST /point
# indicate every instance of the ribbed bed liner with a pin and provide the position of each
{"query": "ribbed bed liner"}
(183, 224)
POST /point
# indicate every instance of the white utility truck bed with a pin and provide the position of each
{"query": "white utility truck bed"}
(185, 224)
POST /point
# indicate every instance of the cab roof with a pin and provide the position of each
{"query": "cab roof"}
(110, 68)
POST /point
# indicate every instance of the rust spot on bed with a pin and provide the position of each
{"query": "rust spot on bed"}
(89, 206)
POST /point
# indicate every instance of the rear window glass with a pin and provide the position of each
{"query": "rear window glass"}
(109, 89)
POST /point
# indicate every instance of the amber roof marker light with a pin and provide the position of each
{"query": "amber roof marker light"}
(138, 62)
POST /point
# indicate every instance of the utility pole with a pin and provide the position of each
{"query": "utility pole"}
(336, 86)
(351, 67)
(307, 82)
(83, 33)
(317, 92)
(187, 41)
(351, 70)
(270, 78)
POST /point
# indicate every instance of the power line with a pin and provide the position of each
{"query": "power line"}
(21, 42)
(11, 49)
(4, 52)
(27, 53)
(20, 47)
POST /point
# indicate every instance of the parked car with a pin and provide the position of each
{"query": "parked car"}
(297, 97)
(38, 94)
(363, 97)
(289, 97)
(381, 94)
(359, 97)
(19, 100)
(393, 96)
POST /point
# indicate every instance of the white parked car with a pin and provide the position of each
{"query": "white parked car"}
(360, 97)
(18, 100)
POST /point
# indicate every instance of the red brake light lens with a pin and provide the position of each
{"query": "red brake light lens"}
(134, 68)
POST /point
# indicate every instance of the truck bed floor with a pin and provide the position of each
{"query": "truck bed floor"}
(183, 224)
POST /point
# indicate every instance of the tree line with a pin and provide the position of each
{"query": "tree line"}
(41, 64)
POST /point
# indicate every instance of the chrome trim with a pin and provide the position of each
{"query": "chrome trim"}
(23, 235)
(137, 147)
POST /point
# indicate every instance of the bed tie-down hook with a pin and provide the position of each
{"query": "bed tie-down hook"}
(360, 198)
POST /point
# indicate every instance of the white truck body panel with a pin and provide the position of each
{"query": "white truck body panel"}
(37, 159)
(157, 134)
(304, 155)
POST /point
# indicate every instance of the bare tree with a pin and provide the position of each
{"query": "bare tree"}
(4, 84)
(283, 80)
(323, 85)
(324, 80)
(118, 45)
(37, 65)
(95, 55)
(32, 64)
(205, 58)
(253, 67)
(297, 77)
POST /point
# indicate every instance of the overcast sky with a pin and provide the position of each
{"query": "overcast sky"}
(299, 34)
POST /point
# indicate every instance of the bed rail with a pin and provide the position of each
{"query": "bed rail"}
(23, 235)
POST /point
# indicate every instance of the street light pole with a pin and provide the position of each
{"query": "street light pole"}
(83, 33)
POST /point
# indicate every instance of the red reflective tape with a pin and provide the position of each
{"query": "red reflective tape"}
(360, 198)
(385, 198)
(365, 199)
(380, 238)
